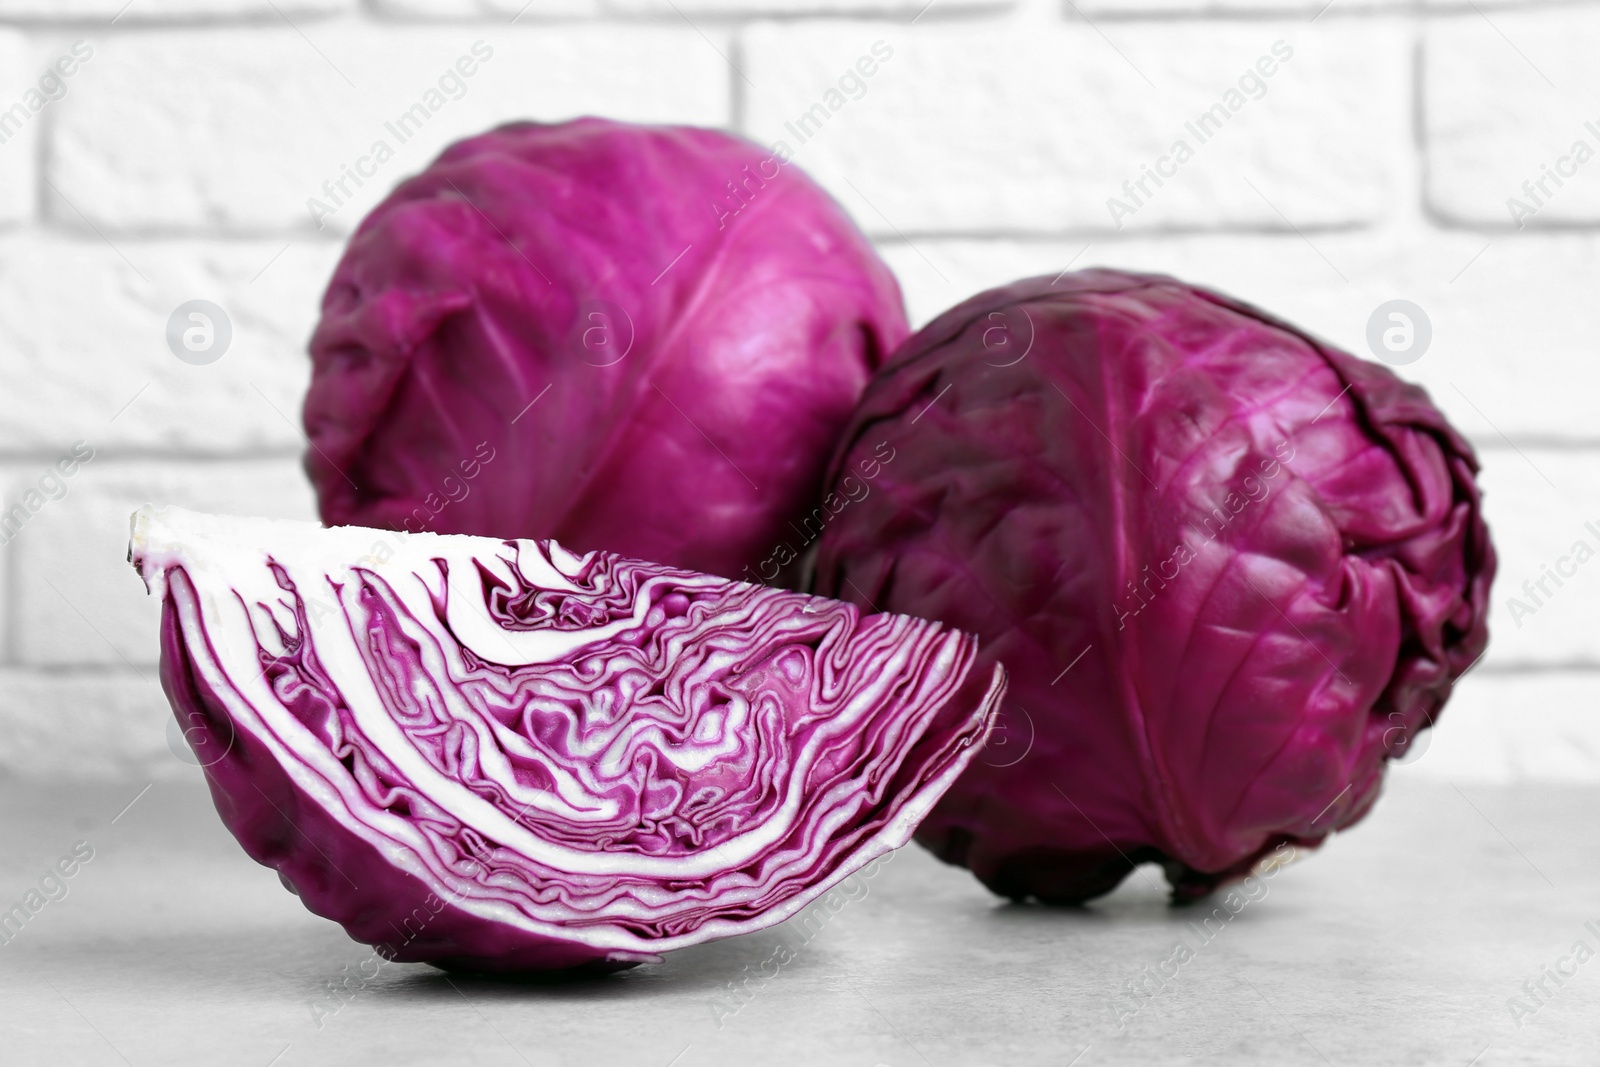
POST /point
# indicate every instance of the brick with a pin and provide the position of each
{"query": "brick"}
(1540, 503)
(1185, 8)
(1514, 728)
(1512, 316)
(1505, 102)
(664, 8)
(980, 127)
(14, 482)
(1465, 7)
(189, 129)
(127, 12)
(501, 11)
(84, 354)
(19, 125)
(76, 600)
(86, 726)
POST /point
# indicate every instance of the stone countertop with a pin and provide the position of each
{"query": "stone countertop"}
(1401, 942)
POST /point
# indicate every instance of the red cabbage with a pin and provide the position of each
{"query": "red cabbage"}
(498, 755)
(641, 339)
(1230, 569)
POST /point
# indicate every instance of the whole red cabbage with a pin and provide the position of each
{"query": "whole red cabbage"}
(1230, 569)
(690, 318)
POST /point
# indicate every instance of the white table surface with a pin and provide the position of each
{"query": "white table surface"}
(1399, 943)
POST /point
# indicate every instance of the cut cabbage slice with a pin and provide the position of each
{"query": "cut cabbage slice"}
(499, 755)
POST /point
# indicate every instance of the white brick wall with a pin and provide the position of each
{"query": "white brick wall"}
(75, 599)
(233, 130)
(18, 181)
(166, 11)
(1503, 103)
(86, 356)
(973, 128)
(175, 161)
(497, 10)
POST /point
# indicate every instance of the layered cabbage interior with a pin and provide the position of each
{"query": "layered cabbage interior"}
(633, 755)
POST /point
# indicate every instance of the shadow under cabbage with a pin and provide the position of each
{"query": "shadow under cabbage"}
(696, 969)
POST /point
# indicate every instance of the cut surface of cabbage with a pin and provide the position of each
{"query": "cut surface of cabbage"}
(500, 755)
